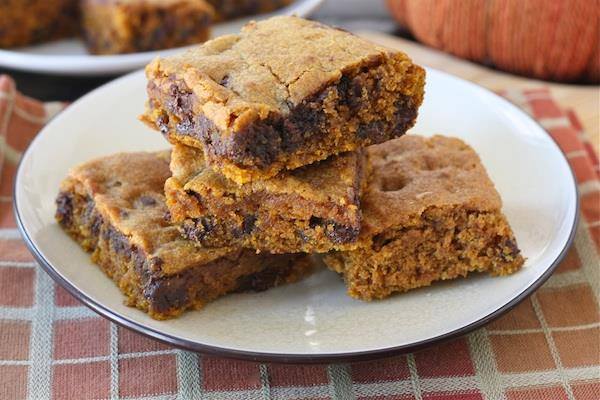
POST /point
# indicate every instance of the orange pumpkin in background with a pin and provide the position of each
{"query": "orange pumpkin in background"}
(547, 39)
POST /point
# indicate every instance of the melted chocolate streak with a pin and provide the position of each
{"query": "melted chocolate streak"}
(261, 143)
(162, 293)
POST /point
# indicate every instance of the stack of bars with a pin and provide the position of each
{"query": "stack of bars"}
(285, 144)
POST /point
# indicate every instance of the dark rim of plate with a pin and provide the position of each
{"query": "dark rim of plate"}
(301, 358)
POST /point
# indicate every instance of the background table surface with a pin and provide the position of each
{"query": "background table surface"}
(584, 99)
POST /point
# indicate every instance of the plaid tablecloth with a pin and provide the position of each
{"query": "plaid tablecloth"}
(548, 347)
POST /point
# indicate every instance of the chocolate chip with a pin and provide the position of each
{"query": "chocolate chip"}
(118, 241)
(315, 221)
(302, 236)
(379, 241)
(248, 224)
(155, 263)
(162, 123)
(96, 225)
(405, 113)
(343, 234)
(64, 209)
(147, 201)
(198, 229)
(513, 250)
(185, 127)
(337, 233)
(196, 196)
(373, 130)
(263, 280)
(167, 293)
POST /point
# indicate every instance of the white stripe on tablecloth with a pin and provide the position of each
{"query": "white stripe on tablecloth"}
(340, 382)
(18, 264)
(540, 330)
(52, 108)
(40, 346)
(555, 122)
(17, 313)
(114, 361)
(550, 377)
(552, 346)
(265, 385)
(589, 187)
(586, 249)
(484, 362)
(125, 356)
(33, 119)
(9, 233)
(414, 376)
(568, 278)
(299, 392)
(77, 312)
(10, 154)
(188, 375)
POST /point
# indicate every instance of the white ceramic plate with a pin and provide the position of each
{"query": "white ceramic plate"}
(314, 320)
(69, 56)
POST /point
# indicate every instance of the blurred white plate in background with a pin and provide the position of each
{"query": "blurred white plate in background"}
(69, 56)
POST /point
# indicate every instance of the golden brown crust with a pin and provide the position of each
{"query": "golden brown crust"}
(256, 106)
(263, 74)
(430, 213)
(412, 174)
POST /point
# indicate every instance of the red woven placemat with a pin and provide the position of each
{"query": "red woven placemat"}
(53, 347)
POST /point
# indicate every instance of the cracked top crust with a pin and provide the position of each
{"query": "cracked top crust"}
(414, 173)
(127, 191)
(271, 66)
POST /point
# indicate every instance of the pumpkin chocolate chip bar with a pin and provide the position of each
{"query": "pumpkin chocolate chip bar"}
(430, 212)
(128, 26)
(315, 208)
(28, 22)
(284, 93)
(115, 208)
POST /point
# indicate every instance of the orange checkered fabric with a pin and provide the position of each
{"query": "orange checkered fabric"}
(52, 346)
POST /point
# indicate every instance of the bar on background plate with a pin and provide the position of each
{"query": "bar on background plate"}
(430, 212)
(114, 207)
(284, 93)
(131, 26)
(34, 21)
